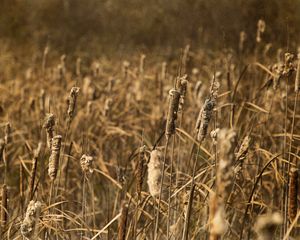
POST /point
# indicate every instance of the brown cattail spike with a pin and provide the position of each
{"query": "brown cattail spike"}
(293, 193)
(2, 147)
(4, 207)
(7, 137)
(297, 81)
(204, 119)
(72, 102)
(30, 222)
(172, 112)
(54, 157)
(49, 126)
(123, 221)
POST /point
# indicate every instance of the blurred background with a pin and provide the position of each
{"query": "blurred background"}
(111, 25)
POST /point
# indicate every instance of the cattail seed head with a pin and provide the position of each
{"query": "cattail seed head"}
(288, 64)
(54, 157)
(2, 147)
(172, 112)
(78, 67)
(297, 81)
(217, 218)
(30, 222)
(7, 137)
(86, 163)
(4, 207)
(72, 101)
(49, 124)
(243, 37)
(154, 172)
(261, 27)
(182, 89)
(293, 193)
(266, 225)
(203, 119)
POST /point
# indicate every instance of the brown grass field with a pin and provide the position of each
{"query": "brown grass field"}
(192, 144)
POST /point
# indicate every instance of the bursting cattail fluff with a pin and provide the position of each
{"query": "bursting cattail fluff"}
(86, 163)
(49, 126)
(266, 225)
(154, 172)
(204, 119)
(172, 112)
(72, 101)
(54, 157)
(225, 170)
(30, 222)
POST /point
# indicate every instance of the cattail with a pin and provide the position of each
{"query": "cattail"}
(96, 69)
(243, 37)
(182, 89)
(293, 193)
(107, 106)
(288, 64)
(30, 222)
(140, 169)
(86, 163)
(142, 64)
(49, 126)
(206, 111)
(266, 226)
(42, 100)
(78, 67)
(72, 102)
(123, 221)
(7, 137)
(46, 51)
(217, 220)
(54, 157)
(225, 173)
(214, 135)
(154, 172)
(172, 112)
(125, 69)
(185, 58)
(33, 169)
(261, 27)
(297, 81)
(163, 71)
(204, 119)
(2, 147)
(4, 206)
